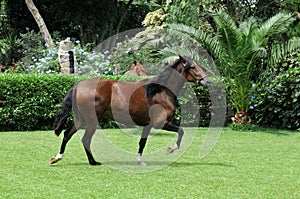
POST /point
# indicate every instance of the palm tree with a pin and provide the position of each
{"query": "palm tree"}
(239, 51)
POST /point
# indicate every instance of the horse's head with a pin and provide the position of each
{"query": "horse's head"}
(133, 66)
(192, 72)
(136, 64)
(139, 68)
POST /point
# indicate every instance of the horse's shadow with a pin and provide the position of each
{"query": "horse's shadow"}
(187, 164)
(75, 164)
(150, 163)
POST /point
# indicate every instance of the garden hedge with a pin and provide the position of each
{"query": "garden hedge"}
(31, 101)
(276, 100)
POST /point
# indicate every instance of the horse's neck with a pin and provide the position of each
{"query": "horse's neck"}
(175, 82)
(141, 70)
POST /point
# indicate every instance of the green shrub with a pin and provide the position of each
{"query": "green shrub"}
(8, 39)
(37, 58)
(276, 100)
(30, 102)
(8, 50)
(31, 47)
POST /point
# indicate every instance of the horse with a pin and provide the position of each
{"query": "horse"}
(150, 103)
(137, 69)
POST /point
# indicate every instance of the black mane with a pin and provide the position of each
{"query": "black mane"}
(157, 84)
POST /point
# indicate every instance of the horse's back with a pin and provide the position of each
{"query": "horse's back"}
(89, 89)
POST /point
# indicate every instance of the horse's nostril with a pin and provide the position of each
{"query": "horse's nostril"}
(208, 83)
(203, 83)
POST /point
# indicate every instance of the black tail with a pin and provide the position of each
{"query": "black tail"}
(63, 113)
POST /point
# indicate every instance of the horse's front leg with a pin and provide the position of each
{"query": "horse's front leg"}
(180, 132)
(142, 143)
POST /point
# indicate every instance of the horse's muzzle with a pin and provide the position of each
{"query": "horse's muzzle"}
(203, 81)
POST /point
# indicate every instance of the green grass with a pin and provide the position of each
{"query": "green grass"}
(262, 164)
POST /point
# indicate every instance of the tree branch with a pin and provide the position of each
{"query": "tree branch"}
(40, 22)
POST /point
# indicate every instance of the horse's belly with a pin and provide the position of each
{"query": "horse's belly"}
(125, 116)
(129, 104)
(140, 118)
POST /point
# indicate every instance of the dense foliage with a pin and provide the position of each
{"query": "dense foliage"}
(276, 100)
(241, 50)
(30, 102)
(241, 44)
(89, 21)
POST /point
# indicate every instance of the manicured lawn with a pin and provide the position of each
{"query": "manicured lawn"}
(262, 164)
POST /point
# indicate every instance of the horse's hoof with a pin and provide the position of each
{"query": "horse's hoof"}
(95, 163)
(53, 160)
(170, 149)
(143, 164)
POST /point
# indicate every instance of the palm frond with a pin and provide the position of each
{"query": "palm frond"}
(249, 26)
(261, 52)
(227, 30)
(211, 44)
(274, 25)
(237, 50)
(247, 30)
(280, 51)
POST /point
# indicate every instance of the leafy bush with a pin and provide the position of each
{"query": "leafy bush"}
(90, 62)
(8, 39)
(131, 50)
(276, 100)
(37, 58)
(4, 52)
(8, 50)
(31, 101)
(31, 49)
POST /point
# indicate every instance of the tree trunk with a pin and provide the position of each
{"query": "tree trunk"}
(39, 20)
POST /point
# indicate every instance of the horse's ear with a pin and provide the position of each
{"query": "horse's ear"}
(134, 62)
(181, 58)
(184, 61)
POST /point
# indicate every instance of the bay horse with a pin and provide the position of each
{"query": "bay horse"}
(137, 69)
(150, 103)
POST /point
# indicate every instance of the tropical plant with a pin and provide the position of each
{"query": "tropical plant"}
(242, 51)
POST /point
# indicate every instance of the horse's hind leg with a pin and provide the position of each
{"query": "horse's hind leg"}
(67, 136)
(86, 140)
